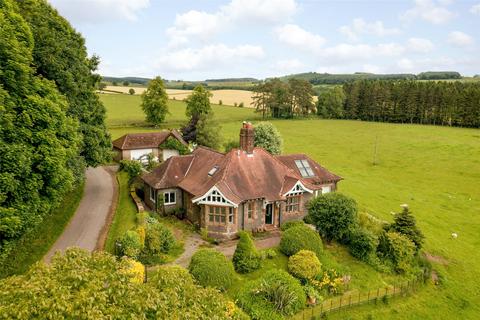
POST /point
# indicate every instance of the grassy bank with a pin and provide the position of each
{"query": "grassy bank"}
(36, 243)
(124, 218)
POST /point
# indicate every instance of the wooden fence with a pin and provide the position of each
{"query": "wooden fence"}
(357, 298)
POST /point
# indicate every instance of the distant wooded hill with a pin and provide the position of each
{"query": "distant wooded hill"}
(327, 78)
(312, 77)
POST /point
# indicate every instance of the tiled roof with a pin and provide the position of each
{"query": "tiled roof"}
(239, 176)
(321, 175)
(145, 140)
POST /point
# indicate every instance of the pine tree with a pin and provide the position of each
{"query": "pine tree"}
(405, 223)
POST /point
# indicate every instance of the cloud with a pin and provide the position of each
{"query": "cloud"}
(475, 9)
(431, 11)
(433, 64)
(238, 12)
(460, 39)
(99, 11)
(419, 45)
(260, 11)
(360, 27)
(288, 65)
(209, 57)
(299, 38)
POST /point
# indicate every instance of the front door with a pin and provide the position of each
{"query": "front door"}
(269, 214)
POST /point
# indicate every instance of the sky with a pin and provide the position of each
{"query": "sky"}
(209, 39)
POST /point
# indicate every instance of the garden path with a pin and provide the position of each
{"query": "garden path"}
(193, 242)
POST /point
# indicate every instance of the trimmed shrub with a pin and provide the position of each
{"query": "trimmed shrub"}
(304, 265)
(246, 257)
(212, 269)
(159, 239)
(129, 245)
(362, 244)
(300, 238)
(397, 248)
(275, 295)
(334, 215)
(132, 167)
(290, 224)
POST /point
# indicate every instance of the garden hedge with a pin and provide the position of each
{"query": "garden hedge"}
(304, 265)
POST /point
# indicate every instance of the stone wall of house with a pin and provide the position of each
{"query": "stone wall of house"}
(193, 211)
(168, 208)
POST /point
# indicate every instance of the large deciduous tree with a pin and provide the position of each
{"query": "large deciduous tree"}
(154, 102)
(268, 137)
(202, 128)
(38, 140)
(330, 103)
(60, 55)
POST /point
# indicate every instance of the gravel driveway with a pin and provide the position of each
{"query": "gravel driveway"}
(87, 224)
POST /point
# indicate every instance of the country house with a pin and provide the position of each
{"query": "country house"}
(136, 146)
(245, 189)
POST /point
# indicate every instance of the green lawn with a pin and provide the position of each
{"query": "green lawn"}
(125, 214)
(35, 244)
(436, 170)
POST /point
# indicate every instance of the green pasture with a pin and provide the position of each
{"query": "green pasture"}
(436, 170)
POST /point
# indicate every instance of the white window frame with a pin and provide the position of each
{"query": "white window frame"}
(152, 191)
(324, 188)
(170, 193)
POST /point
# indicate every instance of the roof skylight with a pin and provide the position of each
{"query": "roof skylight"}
(212, 171)
(304, 168)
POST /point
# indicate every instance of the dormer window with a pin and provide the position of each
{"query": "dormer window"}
(212, 171)
(304, 168)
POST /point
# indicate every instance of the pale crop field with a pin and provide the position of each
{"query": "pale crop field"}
(227, 97)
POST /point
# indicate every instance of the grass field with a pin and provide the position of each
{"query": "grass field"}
(436, 170)
(36, 243)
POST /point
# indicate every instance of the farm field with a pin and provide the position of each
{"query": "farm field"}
(436, 170)
(227, 96)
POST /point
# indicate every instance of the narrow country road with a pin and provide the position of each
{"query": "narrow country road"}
(86, 225)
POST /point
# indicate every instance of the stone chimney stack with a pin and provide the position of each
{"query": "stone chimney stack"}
(247, 136)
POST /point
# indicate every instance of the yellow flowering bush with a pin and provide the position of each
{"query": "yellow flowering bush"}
(135, 269)
(329, 281)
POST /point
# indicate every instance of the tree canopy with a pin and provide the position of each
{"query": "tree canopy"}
(39, 140)
(281, 99)
(154, 102)
(60, 55)
(268, 137)
(198, 103)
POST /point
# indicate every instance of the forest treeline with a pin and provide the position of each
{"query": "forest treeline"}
(438, 103)
(453, 103)
(52, 123)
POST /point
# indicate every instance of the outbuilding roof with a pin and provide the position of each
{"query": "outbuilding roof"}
(145, 140)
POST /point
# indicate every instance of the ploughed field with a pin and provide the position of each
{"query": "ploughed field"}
(436, 170)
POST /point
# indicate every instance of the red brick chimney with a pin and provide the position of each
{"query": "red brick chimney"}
(247, 136)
